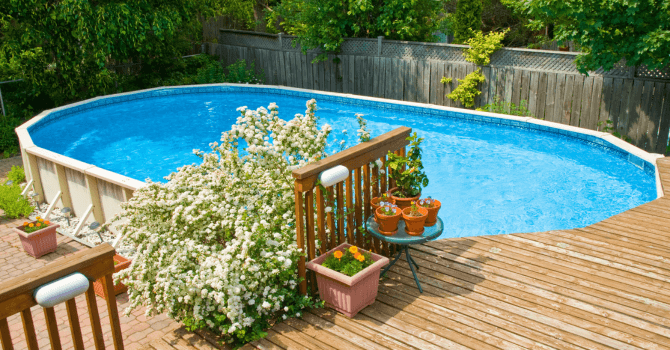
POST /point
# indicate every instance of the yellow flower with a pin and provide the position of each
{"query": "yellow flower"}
(338, 254)
(353, 249)
(25, 224)
(30, 225)
(361, 258)
(39, 218)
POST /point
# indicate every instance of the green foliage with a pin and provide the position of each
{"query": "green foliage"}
(607, 127)
(446, 80)
(510, 108)
(13, 203)
(467, 88)
(412, 179)
(350, 261)
(606, 31)
(239, 73)
(324, 23)
(16, 174)
(467, 20)
(483, 46)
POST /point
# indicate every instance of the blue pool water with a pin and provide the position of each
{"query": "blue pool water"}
(491, 178)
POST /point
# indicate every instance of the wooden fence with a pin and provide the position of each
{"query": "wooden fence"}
(638, 107)
(350, 199)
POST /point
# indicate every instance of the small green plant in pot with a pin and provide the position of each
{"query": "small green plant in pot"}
(407, 173)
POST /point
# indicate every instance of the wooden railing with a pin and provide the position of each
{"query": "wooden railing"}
(16, 296)
(337, 226)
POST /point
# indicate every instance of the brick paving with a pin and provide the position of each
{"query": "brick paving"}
(137, 329)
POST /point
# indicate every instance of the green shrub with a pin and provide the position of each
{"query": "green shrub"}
(483, 46)
(13, 203)
(467, 88)
(510, 108)
(239, 73)
(16, 175)
(467, 19)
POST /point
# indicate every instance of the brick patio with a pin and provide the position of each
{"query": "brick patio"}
(138, 330)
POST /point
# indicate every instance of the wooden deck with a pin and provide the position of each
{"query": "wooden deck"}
(606, 286)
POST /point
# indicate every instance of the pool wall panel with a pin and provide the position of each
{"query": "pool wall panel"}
(111, 197)
(81, 198)
(47, 170)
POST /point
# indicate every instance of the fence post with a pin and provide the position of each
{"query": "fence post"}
(379, 45)
(281, 44)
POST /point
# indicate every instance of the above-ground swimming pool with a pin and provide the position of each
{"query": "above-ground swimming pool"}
(493, 176)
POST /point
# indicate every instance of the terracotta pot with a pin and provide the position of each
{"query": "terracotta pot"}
(374, 202)
(388, 224)
(402, 203)
(40, 242)
(121, 264)
(432, 213)
(414, 224)
(348, 295)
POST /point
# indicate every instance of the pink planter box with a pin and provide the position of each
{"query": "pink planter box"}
(40, 242)
(348, 295)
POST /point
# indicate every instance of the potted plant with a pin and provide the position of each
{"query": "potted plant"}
(376, 202)
(433, 206)
(38, 237)
(407, 172)
(415, 217)
(348, 277)
(387, 216)
(120, 263)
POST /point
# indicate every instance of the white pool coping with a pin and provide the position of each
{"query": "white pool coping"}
(28, 146)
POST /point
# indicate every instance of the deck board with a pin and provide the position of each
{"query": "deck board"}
(605, 286)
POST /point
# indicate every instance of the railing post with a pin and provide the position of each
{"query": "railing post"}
(300, 238)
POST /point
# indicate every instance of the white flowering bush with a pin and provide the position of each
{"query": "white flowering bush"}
(216, 243)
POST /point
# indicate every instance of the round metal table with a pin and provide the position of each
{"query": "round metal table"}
(404, 240)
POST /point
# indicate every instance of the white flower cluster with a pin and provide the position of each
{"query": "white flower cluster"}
(363, 132)
(216, 243)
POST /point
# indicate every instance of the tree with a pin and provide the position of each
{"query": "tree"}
(62, 47)
(607, 31)
(325, 23)
(467, 20)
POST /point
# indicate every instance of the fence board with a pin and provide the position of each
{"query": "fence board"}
(525, 87)
(375, 82)
(655, 117)
(409, 91)
(425, 93)
(567, 99)
(434, 81)
(327, 74)
(584, 110)
(388, 72)
(576, 104)
(643, 112)
(368, 76)
(509, 84)
(662, 142)
(483, 98)
(492, 85)
(555, 93)
(540, 107)
(516, 87)
(622, 124)
(532, 92)
(447, 71)
(352, 76)
(594, 106)
(615, 101)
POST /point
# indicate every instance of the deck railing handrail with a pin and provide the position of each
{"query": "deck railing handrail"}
(338, 226)
(16, 296)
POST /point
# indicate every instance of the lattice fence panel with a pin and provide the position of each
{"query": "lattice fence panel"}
(421, 51)
(287, 43)
(366, 47)
(644, 72)
(537, 60)
(620, 70)
(258, 41)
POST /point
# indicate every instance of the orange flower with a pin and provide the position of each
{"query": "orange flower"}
(357, 256)
(25, 224)
(353, 249)
(30, 225)
(361, 258)
(47, 222)
(38, 224)
(39, 218)
(338, 254)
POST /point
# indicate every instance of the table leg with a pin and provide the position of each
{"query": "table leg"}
(409, 257)
(392, 263)
(411, 266)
